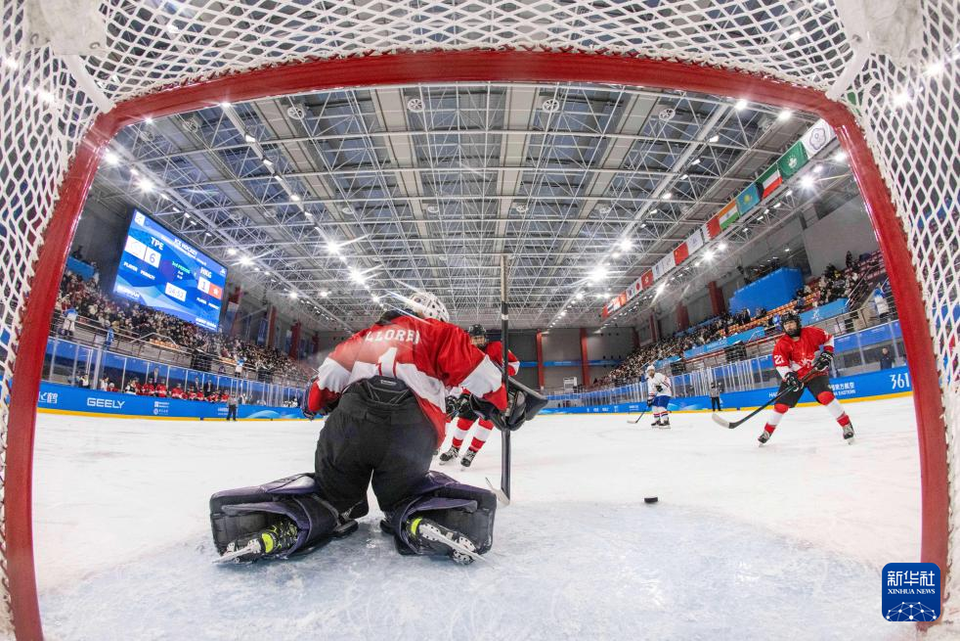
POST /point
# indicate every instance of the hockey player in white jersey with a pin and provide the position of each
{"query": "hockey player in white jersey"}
(659, 391)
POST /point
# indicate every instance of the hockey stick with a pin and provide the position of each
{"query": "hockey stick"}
(503, 498)
(642, 414)
(719, 420)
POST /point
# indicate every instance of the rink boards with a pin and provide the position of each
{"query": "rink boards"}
(63, 399)
(887, 383)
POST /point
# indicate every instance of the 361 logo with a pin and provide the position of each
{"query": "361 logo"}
(911, 591)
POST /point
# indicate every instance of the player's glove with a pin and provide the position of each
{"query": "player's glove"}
(792, 382)
(823, 361)
(465, 407)
(453, 407)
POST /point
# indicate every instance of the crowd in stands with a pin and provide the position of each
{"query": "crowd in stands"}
(833, 284)
(119, 319)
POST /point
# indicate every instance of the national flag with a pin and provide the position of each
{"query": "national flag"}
(769, 180)
(712, 228)
(695, 241)
(646, 281)
(817, 138)
(681, 253)
(748, 198)
(727, 215)
(791, 162)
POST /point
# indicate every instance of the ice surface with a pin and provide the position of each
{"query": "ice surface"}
(785, 541)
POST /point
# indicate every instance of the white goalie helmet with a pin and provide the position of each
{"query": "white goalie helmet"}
(428, 305)
(651, 368)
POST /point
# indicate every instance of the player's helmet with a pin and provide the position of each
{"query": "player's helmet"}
(477, 330)
(427, 305)
(787, 317)
(651, 368)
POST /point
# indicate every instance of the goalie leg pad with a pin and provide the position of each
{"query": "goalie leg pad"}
(244, 511)
(467, 509)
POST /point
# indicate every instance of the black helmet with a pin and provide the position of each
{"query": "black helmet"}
(785, 318)
(477, 330)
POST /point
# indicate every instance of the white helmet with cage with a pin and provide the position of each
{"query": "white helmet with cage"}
(651, 368)
(428, 305)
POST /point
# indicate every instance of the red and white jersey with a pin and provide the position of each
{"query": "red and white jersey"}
(494, 349)
(430, 356)
(797, 354)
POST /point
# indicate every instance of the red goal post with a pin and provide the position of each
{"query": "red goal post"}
(908, 265)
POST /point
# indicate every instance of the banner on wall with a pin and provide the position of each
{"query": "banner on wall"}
(874, 384)
(65, 398)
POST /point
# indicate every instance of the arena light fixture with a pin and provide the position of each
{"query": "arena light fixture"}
(840, 156)
(807, 182)
(249, 138)
(294, 295)
(231, 251)
(598, 274)
(740, 105)
(784, 115)
(246, 261)
(268, 162)
(111, 158)
(357, 276)
(295, 198)
(148, 120)
(145, 185)
(324, 293)
(626, 244)
(714, 138)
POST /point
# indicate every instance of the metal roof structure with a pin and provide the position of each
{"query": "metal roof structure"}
(345, 200)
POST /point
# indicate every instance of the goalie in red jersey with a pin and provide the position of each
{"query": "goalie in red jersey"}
(795, 356)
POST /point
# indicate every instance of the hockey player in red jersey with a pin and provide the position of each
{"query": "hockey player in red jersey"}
(795, 356)
(383, 392)
(466, 419)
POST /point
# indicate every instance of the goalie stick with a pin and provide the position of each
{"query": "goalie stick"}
(719, 420)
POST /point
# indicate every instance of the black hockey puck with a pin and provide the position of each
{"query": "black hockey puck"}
(650, 499)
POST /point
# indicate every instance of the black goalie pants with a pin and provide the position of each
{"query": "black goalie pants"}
(362, 442)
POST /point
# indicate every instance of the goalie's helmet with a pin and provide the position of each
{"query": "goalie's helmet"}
(651, 370)
(427, 305)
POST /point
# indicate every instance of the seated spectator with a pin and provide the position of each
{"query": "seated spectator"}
(133, 387)
(176, 391)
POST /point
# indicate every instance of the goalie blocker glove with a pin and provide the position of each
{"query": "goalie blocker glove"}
(522, 405)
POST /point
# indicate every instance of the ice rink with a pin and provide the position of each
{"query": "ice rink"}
(785, 541)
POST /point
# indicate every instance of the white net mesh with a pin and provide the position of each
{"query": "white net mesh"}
(153, 45)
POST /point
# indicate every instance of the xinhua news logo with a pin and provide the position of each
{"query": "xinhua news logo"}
(911, 591)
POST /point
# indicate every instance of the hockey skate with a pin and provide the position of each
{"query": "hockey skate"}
(273, 541)
(449, 455)
(656, 422)
(664, 422)
(848, 433)
(468, 458)
(432, 535)
(764, 436)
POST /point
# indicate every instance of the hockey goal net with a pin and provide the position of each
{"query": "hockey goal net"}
(74, 72)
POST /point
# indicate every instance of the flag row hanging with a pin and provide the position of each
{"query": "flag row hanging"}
(798, 155)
